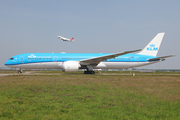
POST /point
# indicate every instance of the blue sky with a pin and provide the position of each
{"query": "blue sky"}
(100, 26)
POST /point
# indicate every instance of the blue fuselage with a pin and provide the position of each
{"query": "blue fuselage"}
(55, 60)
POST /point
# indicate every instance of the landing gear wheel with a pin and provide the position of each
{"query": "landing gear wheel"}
(20, 71)
(89, 72)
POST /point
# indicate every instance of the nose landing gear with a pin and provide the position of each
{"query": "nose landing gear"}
(20, 71)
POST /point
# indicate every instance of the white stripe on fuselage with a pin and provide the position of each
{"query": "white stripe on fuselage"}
(41, 65)
(121, 65)
(101, 65)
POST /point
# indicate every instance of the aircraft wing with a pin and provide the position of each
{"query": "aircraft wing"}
(160, 58)
(96, 60)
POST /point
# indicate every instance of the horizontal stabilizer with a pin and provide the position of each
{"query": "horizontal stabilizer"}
(160, 58)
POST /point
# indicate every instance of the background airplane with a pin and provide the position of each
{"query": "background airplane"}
(66, 39)
(69, 62)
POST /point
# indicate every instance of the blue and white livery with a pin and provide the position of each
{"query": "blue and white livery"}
(69, 62)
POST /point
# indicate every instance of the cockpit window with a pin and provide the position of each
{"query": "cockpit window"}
(11, 59)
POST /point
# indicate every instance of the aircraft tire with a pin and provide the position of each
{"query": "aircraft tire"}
(89, 72)
(20, 71)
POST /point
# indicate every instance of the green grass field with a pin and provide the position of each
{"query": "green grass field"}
(78, 96)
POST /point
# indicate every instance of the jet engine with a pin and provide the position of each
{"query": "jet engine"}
(71, 66)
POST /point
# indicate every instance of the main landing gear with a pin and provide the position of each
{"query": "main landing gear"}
(89, 72)
(20, 71)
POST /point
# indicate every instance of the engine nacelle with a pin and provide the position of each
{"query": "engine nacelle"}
(71, 66)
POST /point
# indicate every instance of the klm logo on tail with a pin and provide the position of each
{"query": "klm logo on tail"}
(152, 48)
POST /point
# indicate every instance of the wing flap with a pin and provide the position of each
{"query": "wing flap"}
(96, 60)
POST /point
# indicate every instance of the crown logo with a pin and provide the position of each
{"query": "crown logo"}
(152, 45)
(32, 56)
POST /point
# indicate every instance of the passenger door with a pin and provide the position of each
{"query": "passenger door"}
(136, 59)
(55, 58)
(21, 59)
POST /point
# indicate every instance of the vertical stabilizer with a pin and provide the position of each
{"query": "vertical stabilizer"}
(153, 47)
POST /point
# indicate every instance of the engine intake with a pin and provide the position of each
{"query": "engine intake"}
(71, 66)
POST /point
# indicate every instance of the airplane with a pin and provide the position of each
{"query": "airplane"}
(71, 62)
(66, 39)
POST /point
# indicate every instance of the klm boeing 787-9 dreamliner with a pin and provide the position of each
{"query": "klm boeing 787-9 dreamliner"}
(69, 62)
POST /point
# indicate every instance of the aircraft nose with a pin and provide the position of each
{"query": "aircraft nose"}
(6, 63)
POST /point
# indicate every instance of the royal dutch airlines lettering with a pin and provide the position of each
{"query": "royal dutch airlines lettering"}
(71, 62)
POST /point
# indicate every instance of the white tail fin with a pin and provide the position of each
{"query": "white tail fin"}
(153, 47)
